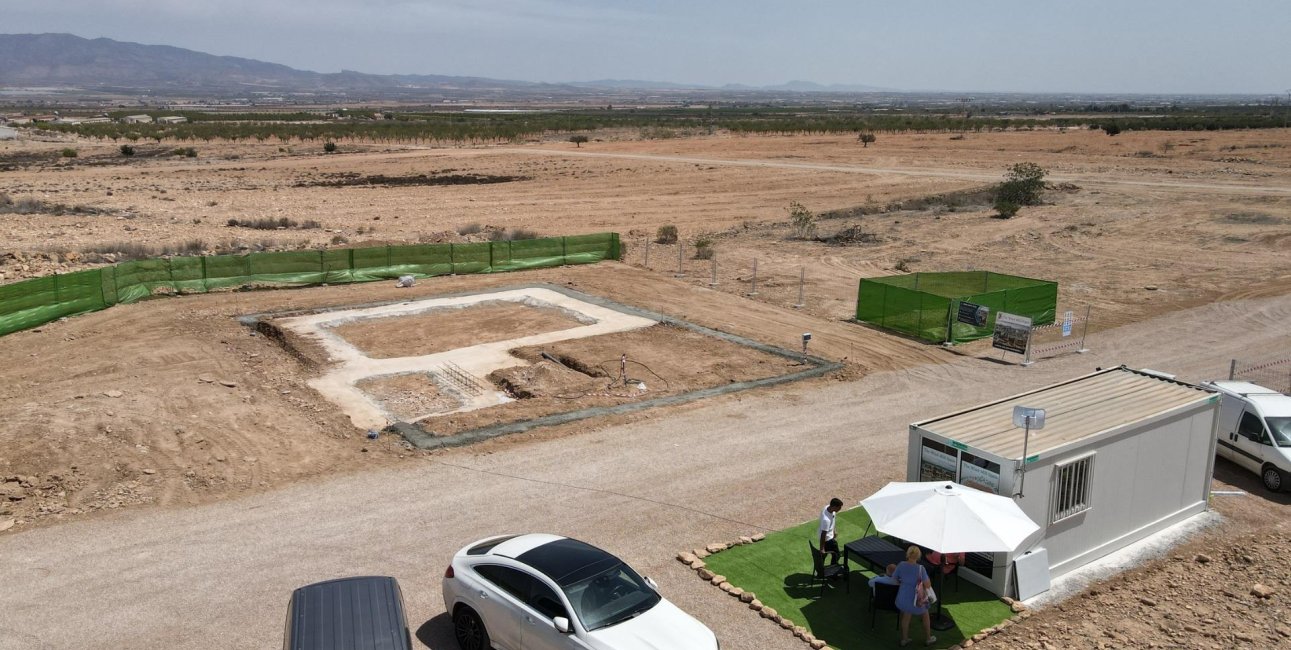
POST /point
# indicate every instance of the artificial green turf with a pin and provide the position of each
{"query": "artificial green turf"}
(778, 570)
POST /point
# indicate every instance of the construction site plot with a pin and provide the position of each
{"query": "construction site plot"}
(442, 367)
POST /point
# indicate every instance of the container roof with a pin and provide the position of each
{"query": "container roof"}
(1074, 410)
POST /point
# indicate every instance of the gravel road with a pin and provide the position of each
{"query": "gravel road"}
(220, 575)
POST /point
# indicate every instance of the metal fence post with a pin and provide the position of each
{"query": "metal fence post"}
(1232, 370)
(681, 252)
(754, 288)
(802, 280)
(713, 282)
(1026, 359)
(1084, 331)
(647, 254)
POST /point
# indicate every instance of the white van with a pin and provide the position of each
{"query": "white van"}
(1255, 430)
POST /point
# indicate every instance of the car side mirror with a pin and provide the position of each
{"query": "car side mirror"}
(651, 583)
(562, 625)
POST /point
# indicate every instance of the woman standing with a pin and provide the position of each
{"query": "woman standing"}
(912, 595)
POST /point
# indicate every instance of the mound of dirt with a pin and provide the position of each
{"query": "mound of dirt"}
(545, 379)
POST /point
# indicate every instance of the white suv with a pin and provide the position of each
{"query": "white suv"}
(546, 592)
(1255, 430)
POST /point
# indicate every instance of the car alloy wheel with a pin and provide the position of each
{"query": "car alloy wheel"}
(469, 630)
(1272, 478)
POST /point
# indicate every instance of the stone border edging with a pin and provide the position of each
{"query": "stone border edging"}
(694, 559)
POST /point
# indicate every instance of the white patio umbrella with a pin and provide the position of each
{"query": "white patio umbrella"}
(948, 517)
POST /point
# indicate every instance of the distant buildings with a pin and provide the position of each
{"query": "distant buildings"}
(172, 119)
(137, 119)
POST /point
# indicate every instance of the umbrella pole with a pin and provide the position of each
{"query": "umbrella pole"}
(941, 622)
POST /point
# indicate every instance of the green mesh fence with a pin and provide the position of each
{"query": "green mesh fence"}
(41, 300)
(924, 305)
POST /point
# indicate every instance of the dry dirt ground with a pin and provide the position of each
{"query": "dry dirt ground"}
(172, 403)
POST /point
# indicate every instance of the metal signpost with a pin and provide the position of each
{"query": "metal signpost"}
(1027, 418)
(806, 336)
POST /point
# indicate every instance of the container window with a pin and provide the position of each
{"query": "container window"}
(1069, 494)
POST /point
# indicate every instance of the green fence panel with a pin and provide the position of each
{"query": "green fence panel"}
(288, 267)
(33, 302)
(188, 274)
(422, 260)
(137, 279)
(224, 271)
(1039, 302)
(589, 249)
(532, 254)
(41, 300)
(372, 264)
(472, 258)
(925, 304)
(107, 284)
(337, 266)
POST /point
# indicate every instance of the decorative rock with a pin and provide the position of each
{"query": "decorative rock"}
(817, 644)
(715, 548)
(800, 631)
(758, 537)
(717, 579)
(686, 558)
(1018, 608)
(786, 623)
(736, 591)
(747, 597)
(725, 586)
(697, 564)
(979, 636)
(756, 605)
(1262, 591)
(701, 553)
(705, 574)
(768, 612)
(1006, 600)
(746, 540)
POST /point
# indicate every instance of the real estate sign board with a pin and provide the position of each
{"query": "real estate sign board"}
(1011, 332)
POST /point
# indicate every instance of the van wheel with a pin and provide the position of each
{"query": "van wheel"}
(469, 630)
(1272, 478)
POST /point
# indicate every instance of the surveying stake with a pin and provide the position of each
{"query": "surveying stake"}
(623, 368)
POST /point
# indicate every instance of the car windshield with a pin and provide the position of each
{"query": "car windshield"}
(1281, 430)
(610, 597)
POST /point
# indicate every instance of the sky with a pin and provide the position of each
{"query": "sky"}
(1087, 46)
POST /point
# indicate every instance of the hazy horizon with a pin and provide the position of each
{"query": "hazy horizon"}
(1091, 47)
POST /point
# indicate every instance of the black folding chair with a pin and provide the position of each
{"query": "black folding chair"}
(826, 572)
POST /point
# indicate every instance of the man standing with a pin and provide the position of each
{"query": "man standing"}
(828, 540)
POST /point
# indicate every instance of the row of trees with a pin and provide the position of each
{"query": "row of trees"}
(464, 127)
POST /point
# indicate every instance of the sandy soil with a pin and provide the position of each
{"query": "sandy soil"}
(1178, 241)
(449, 329)
(663, 360)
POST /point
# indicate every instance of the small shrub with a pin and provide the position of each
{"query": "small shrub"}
(704, 247)
(903, 264)
(309, 224)
(68, 153)
(1112, 128)
(281, 223)
(1005, 209)
(340, 239)
(127, 150)
(470, 229)
(802, 220)
(666, 235)
(866, 139)
(329, 147)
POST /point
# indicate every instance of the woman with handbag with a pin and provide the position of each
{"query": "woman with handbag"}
(912, 594)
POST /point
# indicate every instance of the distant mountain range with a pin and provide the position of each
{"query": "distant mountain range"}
(44, 60)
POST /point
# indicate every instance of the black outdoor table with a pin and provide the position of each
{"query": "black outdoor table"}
(875, 551)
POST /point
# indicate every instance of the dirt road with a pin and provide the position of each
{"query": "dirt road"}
(219, 575)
